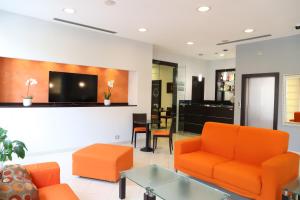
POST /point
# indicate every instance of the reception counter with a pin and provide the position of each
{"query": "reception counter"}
(192, 116)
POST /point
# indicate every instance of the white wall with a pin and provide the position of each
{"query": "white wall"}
(277, 55)
(53, 129)
(210, 79)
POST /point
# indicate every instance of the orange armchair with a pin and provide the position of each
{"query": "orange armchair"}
(46, 176)
(296, 117)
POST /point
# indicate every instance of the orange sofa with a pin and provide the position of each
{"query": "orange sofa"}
(46, 177)
(252, 162)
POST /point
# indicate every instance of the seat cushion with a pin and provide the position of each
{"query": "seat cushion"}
(220, 139)
(200, 162)
(161, 132)
(140, 129)
(256, 145)
(241, 175)
(55, 192)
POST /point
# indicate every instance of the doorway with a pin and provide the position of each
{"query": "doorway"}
(164, 92)
(197, 89)
(260, 100)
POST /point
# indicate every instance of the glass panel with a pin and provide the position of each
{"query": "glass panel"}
(170, 185)
(292, 99)
(150, 176)
(185, 188)
(294, 187)
(260, 102)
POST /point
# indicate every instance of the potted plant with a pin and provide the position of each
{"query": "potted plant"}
(27, 100)
(107, 94)
(9, 147)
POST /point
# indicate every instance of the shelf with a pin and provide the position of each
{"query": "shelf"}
(54, 105)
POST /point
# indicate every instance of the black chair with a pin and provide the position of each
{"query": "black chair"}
(168, 133)
(167, 116)
(139, 125)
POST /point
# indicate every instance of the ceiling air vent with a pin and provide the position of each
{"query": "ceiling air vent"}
(246, 39)
(84, 25)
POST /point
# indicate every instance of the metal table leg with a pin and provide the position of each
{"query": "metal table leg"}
(122, 187)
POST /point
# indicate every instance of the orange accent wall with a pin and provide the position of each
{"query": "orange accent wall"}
(15, 72)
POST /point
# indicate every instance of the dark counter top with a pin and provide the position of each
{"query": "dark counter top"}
(54, 105)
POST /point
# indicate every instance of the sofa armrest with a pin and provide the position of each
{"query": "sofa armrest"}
(187, 145)
(44, 174)
(278, 171)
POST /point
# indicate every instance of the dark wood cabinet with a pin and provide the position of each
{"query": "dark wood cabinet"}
(192, 116)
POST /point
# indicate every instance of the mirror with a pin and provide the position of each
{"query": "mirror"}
(292, 99)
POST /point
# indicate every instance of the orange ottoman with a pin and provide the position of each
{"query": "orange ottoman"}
(102, 161)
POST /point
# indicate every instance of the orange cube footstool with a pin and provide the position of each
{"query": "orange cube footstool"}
(102, 161)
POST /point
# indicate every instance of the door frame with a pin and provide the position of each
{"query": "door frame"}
(276, 95)
(175, 71)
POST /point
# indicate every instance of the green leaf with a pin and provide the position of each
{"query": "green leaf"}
(8, 147)
(19, 150)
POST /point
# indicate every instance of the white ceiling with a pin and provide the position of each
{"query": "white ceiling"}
(172, 23)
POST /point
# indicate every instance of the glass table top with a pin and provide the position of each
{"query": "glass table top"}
(294, 186)
(170, 185)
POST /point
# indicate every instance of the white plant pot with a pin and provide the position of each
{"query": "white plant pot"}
(106, 102)
(27, 102)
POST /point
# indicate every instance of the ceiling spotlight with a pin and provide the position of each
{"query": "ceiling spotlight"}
(69, 10)
(110, 2)
(222, 54)
(190, 43)
(142, 29)
(249, 30)
(203, 8)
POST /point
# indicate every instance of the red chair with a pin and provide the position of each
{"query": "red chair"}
(296, 117)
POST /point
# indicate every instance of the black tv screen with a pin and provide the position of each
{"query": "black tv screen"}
(70, 87)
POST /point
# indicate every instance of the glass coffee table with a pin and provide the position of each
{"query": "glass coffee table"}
(169, 185)
(292, 190)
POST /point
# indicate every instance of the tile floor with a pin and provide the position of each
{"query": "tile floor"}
(89, 189)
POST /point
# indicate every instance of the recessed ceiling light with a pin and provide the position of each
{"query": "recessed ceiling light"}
(222, 54)
(142, 29)
(110, 2)
(249, 30)
(190, 43)
(69, 10)
(203, 8)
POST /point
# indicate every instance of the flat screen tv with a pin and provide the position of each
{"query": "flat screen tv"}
(70, 87)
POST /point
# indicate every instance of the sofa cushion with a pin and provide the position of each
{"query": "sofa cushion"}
(220, 139)
(59, 191)
(241, 175)
(200, 162)
(256, 145)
